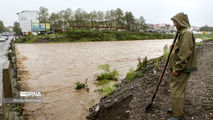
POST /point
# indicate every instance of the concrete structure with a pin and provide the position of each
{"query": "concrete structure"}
(26, 19)
(195, 28)
(10, 28)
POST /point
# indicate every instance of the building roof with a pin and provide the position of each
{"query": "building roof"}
(26, 11)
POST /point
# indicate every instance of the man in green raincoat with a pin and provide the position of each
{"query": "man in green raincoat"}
(182, 63)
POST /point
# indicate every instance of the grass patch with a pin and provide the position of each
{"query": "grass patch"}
(198, 43)
(12, 111)
(102, 82)
(91, 35)
(142, 65)
(166, 52)
(204, 36)
(156, 65)
(131, 75)
(107, 74)
(107, 90)
(104, 79)
(79, 85)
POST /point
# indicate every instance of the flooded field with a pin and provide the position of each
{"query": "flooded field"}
(53, 68)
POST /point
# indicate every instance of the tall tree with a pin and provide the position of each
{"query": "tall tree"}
(141, 24)
(129, 20)
(119, 17)
(79, 17)
(43, 15)
(68, 16)
(54, 20)
(65, 19)
(16, 28)
(100, 18)
(206, 28)
(93, 18)
(2, 28)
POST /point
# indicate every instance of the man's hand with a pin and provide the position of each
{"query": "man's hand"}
(170, 47)
(174, 73)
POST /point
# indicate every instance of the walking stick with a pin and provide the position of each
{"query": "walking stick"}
(161, 77)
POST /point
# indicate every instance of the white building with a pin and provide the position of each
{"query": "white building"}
(26, 19)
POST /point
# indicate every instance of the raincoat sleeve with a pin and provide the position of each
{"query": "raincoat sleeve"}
(185, 50)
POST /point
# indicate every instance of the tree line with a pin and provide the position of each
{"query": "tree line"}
(80, 19)
(206, 28)
(2, 27)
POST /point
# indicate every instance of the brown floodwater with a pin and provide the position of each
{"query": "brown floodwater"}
(53, 68)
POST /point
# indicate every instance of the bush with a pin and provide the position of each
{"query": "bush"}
(198, 44)
(204, 36)
(107, 90)
(142, 65)
(80, 85)
(131, 75)
(102, 82)
(92, 35)
(166, 52)
(107, 74)
(156, 65)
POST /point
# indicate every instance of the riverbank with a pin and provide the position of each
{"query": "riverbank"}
(92, 35)
(129, 100)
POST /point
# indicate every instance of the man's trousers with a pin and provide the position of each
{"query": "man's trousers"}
(178, 90)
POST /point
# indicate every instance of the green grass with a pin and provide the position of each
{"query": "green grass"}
(107, 74)
(131, 75)
(198, 43)
(79, 85)
(102, 82)
(156, 65)
(92, 35)
(142, 65)
(204, 36)
(166, 52)
(105, 79)
(107, 89)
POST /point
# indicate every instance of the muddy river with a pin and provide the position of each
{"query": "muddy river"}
(54, 68)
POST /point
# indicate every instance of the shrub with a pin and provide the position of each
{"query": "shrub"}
(131, 75)
(198, 44)
(102, 82)
(79, 85)
(156, 65)
(107, 74)
(142, 65)
(166, 52)
(204, 36)
(107, 90)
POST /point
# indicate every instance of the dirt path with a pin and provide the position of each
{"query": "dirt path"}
(129, 100)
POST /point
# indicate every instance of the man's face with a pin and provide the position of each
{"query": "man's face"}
(175, 24)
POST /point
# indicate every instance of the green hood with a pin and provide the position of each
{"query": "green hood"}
(182, 20)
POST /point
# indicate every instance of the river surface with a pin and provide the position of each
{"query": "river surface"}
(55, 67)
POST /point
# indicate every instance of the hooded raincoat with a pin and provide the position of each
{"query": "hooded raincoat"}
(183, 57)
(183, 60)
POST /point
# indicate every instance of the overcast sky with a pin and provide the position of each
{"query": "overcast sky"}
(154, 11)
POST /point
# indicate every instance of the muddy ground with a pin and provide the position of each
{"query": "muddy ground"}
(129, 100)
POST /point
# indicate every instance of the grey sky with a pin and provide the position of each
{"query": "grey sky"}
(154, 11)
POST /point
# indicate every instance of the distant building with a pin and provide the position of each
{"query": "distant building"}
(10, 28)
(195, 28)
(26, 20)
(150, 26)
